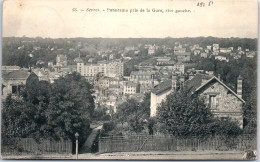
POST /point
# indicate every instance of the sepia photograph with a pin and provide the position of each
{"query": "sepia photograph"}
(129, 80)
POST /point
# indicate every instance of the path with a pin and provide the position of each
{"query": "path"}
(90, 140)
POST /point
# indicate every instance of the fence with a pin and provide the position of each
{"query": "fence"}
(24, 146)
(170, 143)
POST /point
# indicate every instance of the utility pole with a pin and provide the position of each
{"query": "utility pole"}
(77, 144)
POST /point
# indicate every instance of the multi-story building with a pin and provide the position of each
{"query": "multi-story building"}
(131, 88)
(183, 57)
(115, 68)
(110, 69)
(151, 50)
(179, 49)
(179, 67)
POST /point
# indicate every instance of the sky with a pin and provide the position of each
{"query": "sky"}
(55, 19)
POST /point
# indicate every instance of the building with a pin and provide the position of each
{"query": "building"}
(221, 58)
(10, 68)
(222, 100)
(131, 88)
(196, 52)
(215, 47)
(159, 94)
(179, 66)
(209, 47)
(115, 68)
(142, 77)
(250, 54)
(61, 60)
(183, 57)
(41, 73)
(13, 81)
(151, 50)
(203, 55)
(164, 61)
(225, 50)
(179, 49)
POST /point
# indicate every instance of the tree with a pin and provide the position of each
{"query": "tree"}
(250, 114)
(45, 110)
(70, 107)
(134, 114)
(185, 115)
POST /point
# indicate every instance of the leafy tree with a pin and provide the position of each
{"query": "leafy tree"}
(184, 115)
(250, 114)
(47, 110)
(134, 114)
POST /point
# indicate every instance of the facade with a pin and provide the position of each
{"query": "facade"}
(221, 58)
(196, 52)
(179, 49)
(179, 67)
(131, 88)
(204, 55)
(215, 47)
(141, 77)
(113, 68)
(225, 50)
(222, 101)
(183, 57)
(151, 50)
(158, 94)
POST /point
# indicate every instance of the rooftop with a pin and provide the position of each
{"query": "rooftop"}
(162, 87)
(182, 54)
(16, 74)
(192, 84)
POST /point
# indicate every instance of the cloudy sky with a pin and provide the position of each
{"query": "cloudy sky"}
(55, 18)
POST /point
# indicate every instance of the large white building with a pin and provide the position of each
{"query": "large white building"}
(107, 68)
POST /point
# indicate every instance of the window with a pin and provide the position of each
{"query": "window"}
(14, 89)
(213, 101)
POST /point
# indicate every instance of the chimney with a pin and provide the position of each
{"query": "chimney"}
(153, 80)
(239, 86)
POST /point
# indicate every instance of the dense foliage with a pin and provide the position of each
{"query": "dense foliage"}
(184, 115)
(45, 110)
(133, 113)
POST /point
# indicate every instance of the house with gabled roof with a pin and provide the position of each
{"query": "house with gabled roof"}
(222, 100)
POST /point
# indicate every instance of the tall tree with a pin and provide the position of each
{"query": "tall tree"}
(57, 110)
